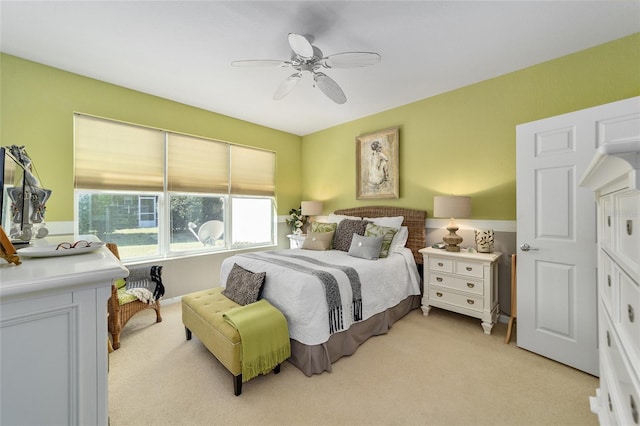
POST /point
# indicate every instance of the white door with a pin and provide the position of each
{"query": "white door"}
(556, 232)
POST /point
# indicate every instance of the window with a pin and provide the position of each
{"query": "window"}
(157, 193)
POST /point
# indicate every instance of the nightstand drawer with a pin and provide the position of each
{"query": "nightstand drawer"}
(471, 302)
(457, 283)
(442, 265)
(470, 269)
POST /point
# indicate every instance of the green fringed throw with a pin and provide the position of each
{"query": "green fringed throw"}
(264, 335)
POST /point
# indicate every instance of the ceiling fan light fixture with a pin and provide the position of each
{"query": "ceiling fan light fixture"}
(306, 57)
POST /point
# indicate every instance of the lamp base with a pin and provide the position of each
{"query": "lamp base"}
(452, 240)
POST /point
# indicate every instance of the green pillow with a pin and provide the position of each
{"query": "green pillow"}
(120, 283)
(385, 232)
(323, 227)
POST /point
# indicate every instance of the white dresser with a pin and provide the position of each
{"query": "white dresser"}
(462, 282)
(614, 175)
(53, 339)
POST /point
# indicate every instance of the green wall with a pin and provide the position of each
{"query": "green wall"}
(463, 142)
(37, 103)
(460, 142)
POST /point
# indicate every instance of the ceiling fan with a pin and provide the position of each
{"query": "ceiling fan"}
(306, 57)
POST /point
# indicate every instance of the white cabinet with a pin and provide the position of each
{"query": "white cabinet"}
(53, 339)
(614, 175)
(466, 283)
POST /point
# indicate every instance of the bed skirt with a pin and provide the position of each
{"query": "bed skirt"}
(315, 359)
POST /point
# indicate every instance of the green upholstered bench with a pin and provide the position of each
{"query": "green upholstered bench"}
(202, 314)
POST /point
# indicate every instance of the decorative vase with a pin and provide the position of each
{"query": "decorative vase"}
(484, 240)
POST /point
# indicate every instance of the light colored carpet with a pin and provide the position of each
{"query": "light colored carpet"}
(435, 370)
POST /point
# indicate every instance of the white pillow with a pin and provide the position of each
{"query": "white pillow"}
(400, 239)
(337, 218)
(391, 222)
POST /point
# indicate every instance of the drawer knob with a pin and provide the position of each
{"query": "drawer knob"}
(471, 285)
(608, 339)
(629, 227)
(634, 409)
(469, 268)
(470, 301)
(632, 315)
(440, 264)
(609, 280)
(439, 294)
(439, 279)
(610, 403)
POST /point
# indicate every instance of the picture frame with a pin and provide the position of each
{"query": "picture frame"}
(7, 250)
(377, 165)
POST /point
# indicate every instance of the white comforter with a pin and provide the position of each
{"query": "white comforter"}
(301, 297)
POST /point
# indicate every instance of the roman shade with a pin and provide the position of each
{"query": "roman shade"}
(106, 159)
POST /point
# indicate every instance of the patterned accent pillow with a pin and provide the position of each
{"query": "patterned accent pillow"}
(323, 227)
(243, 286)
(344, 233)
(365, 247)
(385, 232)
(318, 241)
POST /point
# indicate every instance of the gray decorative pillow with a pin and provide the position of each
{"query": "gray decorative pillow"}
(365, 247)
(318, 241)
(385, 232)
(344, 233)
(244, 287)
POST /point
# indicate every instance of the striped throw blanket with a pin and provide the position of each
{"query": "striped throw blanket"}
(308, 265)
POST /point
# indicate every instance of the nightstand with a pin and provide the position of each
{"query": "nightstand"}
(462, 282)
(296, 240)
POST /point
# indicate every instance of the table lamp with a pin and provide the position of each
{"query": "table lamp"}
(452, 206)
(311, 208)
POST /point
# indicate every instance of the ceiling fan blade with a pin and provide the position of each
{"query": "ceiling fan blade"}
(251, 63)
(329, 88)
(286, 86)
(351, 60)
(301, 46)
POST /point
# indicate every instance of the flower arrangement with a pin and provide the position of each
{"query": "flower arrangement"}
(296, 220)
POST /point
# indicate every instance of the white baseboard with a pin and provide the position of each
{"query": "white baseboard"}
(170, 301)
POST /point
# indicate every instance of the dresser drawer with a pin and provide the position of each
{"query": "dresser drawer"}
(456, 283)
(606, 221)
(608, 406)
(627, 237)
(609, 284)
(473, 303)
(439, 264)
(622, 382)
(630, 318)
(469, 269)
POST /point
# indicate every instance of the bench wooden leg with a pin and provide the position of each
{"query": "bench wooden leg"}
(237, 384)
(187, 332)
(276, 370)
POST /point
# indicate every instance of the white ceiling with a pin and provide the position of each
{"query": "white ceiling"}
(182, 50)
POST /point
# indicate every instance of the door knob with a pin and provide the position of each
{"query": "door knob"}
(527, 247)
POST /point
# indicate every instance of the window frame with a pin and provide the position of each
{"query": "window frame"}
(163, 209)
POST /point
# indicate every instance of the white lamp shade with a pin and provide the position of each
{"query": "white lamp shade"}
(451, 206)
(311, 208)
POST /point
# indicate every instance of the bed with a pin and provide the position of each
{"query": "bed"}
(322, 330)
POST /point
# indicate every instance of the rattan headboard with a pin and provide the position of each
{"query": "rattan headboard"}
(413, 219)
